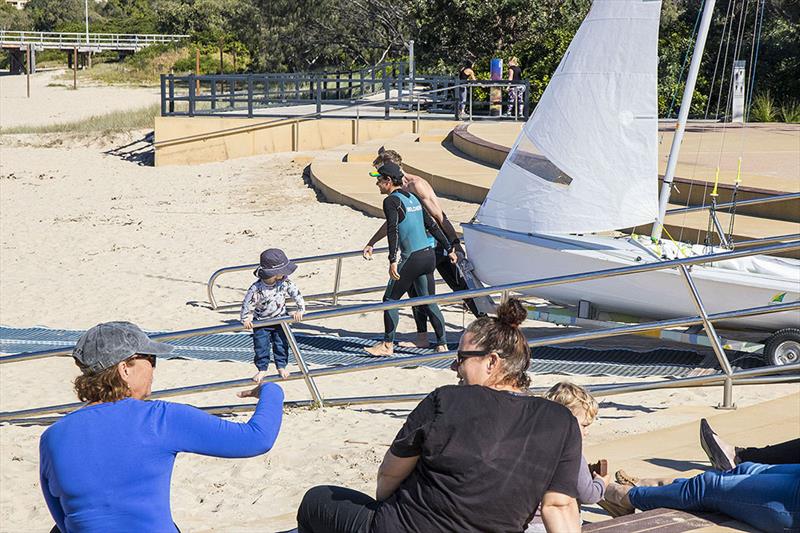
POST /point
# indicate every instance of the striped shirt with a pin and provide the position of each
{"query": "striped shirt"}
(264, 301)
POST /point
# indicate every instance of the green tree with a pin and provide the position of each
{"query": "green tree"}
(54, 15)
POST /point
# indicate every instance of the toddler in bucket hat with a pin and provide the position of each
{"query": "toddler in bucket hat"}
(110, 343)
(266, 299)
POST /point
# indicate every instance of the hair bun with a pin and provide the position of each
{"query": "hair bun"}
(511, 313)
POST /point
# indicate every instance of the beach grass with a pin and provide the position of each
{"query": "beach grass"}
(123, 120)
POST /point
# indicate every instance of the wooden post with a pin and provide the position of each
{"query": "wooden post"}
(75, 67)
(28, 72)
(197, 68)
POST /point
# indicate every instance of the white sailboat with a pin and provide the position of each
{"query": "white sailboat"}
(587, 162)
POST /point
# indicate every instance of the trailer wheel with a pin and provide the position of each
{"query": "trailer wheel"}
(783, 347)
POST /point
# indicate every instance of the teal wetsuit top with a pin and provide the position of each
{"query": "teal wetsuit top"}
(408, 225)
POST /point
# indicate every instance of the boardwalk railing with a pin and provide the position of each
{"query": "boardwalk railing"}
(95, 41)
(246, 95)
(727, 377)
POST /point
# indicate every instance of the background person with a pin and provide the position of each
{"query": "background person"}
(517, 92)
(107, 466)
(465, 74)
(411, 255)
(475, 457)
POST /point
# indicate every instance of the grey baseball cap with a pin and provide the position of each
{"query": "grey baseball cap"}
(109, 343)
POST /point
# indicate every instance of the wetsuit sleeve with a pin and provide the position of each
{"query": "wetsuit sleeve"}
(434, 229)
(391, 209)
(53, 503)
(294, 292)
(184, 428)
(248, 304)
(450, 233)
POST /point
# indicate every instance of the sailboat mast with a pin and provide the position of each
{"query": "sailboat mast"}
(683, 114)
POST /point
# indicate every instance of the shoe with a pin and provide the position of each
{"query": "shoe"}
(613, 509)
(623, 478)
(708, 441)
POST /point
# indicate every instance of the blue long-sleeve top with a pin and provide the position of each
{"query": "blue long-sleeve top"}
(107, 467)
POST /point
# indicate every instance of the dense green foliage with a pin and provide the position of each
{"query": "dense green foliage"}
(291, 35)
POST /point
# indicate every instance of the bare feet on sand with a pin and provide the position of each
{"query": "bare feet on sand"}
(283, 373)
(261, 374)
(420, 342)
(382, 349)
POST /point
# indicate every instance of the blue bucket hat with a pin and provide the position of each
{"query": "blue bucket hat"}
(273, 262)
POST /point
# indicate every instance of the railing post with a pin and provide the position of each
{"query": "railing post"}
(526, 107)
(337, 280)
(727, 395)
(232, 92)
(213, 94)
(171, 93)
(249, 96)
(192, 82)
(416, 125)
(163, 95)
(312, 386)
(318, 94)
(386, 97)
(716, 345)
(358, 124)
(470, 102)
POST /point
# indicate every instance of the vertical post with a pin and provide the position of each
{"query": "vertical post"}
(197, 68)
(171, 93)
(75, 67)
(232, 92)
(312, 386)
(716, 345)
(163, 95)
(358, 123)
(28, 71)
(250, 96)
(411, 65)
(727, 395)
(416, 123)
(86, 15)
(470, 102)
(385, 97)
(337, 281)
(221, 65)
(318, 94)
(234, 60)
(192, 87)
(213, 94)
(295, 136)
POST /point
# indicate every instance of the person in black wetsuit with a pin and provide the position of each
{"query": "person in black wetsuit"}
(449, 272)
(409, 229)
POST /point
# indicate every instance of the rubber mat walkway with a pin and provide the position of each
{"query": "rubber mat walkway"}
(321, 350)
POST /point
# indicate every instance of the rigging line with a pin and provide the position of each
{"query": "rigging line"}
(725, 59)
(752, 84)
(686, 58)
(716, 63)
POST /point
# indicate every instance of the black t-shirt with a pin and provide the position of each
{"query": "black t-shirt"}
(486, 459)
(516, 73)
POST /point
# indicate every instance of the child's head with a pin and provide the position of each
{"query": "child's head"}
(274, 266)
(578, 400)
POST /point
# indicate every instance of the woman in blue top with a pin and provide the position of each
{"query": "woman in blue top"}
(107, 466)
(408, 228)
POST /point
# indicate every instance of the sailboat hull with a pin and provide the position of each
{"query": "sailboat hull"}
(502, 257)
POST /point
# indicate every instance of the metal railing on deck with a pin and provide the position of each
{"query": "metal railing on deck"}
(727, 377)
(96, 41)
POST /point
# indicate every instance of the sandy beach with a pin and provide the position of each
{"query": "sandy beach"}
(87, 237)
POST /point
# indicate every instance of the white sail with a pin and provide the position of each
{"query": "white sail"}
(587, 160)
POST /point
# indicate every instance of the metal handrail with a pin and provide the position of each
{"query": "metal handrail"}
(305, 117)
(420, 359)
(448, 297)
(738, 203)
(309, 259)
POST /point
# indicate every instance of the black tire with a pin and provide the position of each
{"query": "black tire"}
(783, 347)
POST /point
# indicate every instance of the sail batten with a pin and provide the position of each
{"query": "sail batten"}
(587, 160)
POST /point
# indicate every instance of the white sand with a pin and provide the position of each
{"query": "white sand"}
(86, 237)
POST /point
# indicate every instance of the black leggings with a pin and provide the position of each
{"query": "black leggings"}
(778, 454)
(329, 509)
(416, 271)
(454, 280)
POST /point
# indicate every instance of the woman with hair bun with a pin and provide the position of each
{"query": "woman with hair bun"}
(476, 457)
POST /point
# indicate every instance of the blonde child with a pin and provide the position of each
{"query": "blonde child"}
(591, 486)
(266, 299)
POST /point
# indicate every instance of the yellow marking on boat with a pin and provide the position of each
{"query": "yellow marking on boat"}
(716, 183)
(739, 171)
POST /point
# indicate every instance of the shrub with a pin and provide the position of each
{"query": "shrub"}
(790, 111)
(763, 109)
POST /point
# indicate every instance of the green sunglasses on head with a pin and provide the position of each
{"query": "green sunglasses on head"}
(375, 174)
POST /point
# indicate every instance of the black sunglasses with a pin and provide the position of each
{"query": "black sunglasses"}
(150, 358)
(466, 354)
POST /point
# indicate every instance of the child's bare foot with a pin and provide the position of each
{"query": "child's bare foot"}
(420, 342)
(261, 374)
(283, 373)
(441, 348)
(382, 349)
